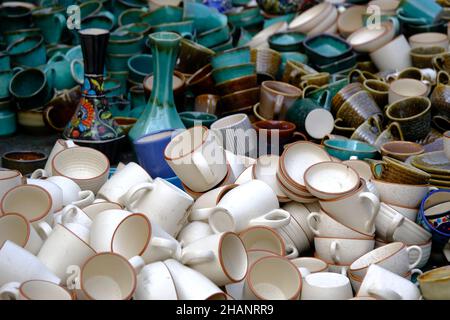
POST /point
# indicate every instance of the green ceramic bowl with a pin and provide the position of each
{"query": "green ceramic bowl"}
(117, 62)
(344, 149)
(129, 16)
(165, 14)
(193, 118)
(287, 41)
(7, 123)
(214, 37)
(125, 42)
(140, 66)
(231, 57)
(142, 28)
(229, 73)
(324, 49)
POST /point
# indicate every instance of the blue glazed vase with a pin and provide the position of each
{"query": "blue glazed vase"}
(160, 112)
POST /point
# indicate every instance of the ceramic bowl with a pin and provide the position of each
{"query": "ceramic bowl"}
(435, 284)
(429, 39)
(87, 167)
(345, 149)
(233, 72)
(287, 41)
(231, 57)
(240, 99)
(351, 20)
(330, 180)
(401, 150)
(368, 39)
(310, 18)
(24, 161)
(238, 84)
(324, 49)
(193, 118)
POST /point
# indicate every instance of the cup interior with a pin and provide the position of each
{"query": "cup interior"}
(377, 255)
(408, 87)
(132, 236)
(44, 290)
(233, 257)
(34, 80)
(33, 202)
(14, 227)
(408, 108)
(262, 238)
(186, 142)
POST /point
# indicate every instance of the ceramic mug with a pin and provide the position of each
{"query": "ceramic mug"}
(72, 193)
(55, 192)
(342, 251)
(51, 21)
(393, 170)
(8, 180)
(276, 98)
(357, 109)
(121, 182)
(403, 88)
(398, 49)
(18, 264)
(34, 290)
(262, 238)
(28, 51)
(193, 231)
(72, 214)
(16, 228)
(160, 199)
(197, 158)
(263, 209)
(326, 285)
(111, 230)
(206, 256)
(155, 282)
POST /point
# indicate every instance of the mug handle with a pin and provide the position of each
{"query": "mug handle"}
(10, 291)
(201, 214)
(87, 197)
(197, 257)
(130, 197)
(309, 220)
(137, 262)
(43, 229)
(384, 293)
(293, 252)
(443, 78)
(61, 20)
(16, 70)
(438, 62)
(334, 254)
(374, 164)
(419, 250)
(375, 205)
(300, 135)
(165, 244)
(397, 126)
(203, 166)
(416, 271)
(276, 218)
(39, 174)
(72, 70)
(73, 280)
(279, 100)
(397, 221)
(69, 211)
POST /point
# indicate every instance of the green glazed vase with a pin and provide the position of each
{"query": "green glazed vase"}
(160, 112)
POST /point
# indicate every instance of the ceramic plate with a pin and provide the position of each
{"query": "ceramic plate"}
(432, 162)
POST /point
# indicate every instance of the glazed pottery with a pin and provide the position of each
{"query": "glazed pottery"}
(51, 21)
(393, 170)
(345, 149)
(440, 95)
(422, 57)
(403, 88)
(324, 49)
(28, 51)
(191, 118)
(161, 112)
(351, 20)
(39, 89)
(24, 161)
(368, 39)
(417, 12)
(434, 284)
(398, 49)
(286, 41)
(379, 90)
(401, 150)
(276, 98)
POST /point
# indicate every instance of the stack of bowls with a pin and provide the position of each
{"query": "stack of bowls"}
(236, 80)
(321, 18)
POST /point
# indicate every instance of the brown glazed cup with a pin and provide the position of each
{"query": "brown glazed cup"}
(284, 131)
(396, 171)
(192, 56)
(207, 103)
(239, 100)
(379, 90)
(357, 109)
(294, 70)
(267, 61)
(422, 57)
(202, 81)
(237, 84)
(344, 94)
(440, 98)
(413, 114)
(442, 62)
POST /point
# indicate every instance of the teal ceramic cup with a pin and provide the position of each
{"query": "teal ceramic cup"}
(140, 66)
(204, 17)
(141, 28)
(121, 77)
(51, 21)
(5, 79)
(7, 123)
(57, 48)
(98, 21)
(59, 66)
(77, 70)
(132, 15)
(223, 46)
(194, 118)
(125, 42)
(5, 61)
(419, 11)
(31, 88)
(183, 28)
(237, 71)
(165, 14)
(298, 112)
(112, 87)
(231, 57)
(15, 17)
(214, 37)
(29, 51)
(13, 36)
(287, 41)
(117, 62)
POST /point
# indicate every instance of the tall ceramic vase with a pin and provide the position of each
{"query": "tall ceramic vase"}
(92, 124)
(160, 112)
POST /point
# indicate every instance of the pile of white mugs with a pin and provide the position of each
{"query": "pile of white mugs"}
(69, 232)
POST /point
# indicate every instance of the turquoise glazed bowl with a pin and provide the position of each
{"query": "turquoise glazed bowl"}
(165, 14)
(124, 42)
(287, 41)
(7, 123)
(140, 66)
(229, 73)
(214, 37)
(29, 51)
(344, 149)
(12, 36)
(324, 49)
(231, 57)
(142, 28)
(193, 118)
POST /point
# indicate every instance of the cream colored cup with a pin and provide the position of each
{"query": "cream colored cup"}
(87, 167)
(207, 200)
(393, 257)
(404, 88)
(429, 39)
(120, 182)
(220, 257)
(59, 146)
(107, 276)
(33, 202)
(112, 230)
(53, 189)
(398, 52)
(361, 201)
(73, 214)
(313, 265)
(155, 282)
(161, 202)
(34, 290)
(326, 286)
(8, 180)
(72, 193)
(262, 238)
(401, 194)
(191, 284)
(194, 231)
(63, 248)
(276, 98)
(15, 227)
(94, 209)
(273, 278)
(342, 251)
(197, 158)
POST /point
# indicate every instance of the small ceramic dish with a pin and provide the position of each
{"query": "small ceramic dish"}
(324, 49)
(432, 162)
(24, 161)
(330, 180)
(345, 149)
(401, 150)
(287, 41)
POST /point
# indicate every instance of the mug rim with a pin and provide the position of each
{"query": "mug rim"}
(46, 281)
(265, 86)
(221, 260)
(378, 261)
(34, 70)
(323, 211)
(413, 117)
(271, 230)
(28, 224)
(26, 38)
(205, 136)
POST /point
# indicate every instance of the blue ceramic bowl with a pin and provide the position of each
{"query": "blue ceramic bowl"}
(344, 149)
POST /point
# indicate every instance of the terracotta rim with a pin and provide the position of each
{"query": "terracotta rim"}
(49, 282)
(17, 174)
(266, 86)
(252, 288)
(402, 246)
(50, 201)
(204, 138)
(294, 194)
(224, 191)
(220, 184)
(149, 228)
(332, 218)
(319, 259)
(128, 297)
(74, 234)
(222, 265)
(271, 230)
(345, 196)
(81, 179)
(26, 223)
(301, 227)
(343, 193)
